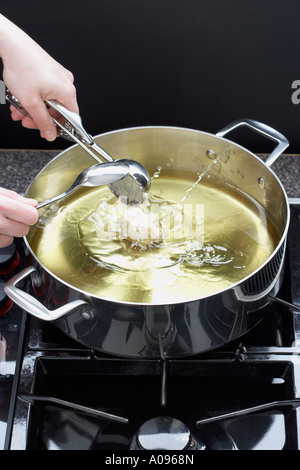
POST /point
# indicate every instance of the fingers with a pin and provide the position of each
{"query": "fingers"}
(13, 195)
(15, 114)
(40, 117)
(18, 116)
(18, 211)
(11, 228)
(17, 214)
(5, 240)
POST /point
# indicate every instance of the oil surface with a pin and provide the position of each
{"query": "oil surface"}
(226, 237)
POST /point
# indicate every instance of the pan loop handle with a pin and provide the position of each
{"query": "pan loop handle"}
(265, 130)
(32, 305)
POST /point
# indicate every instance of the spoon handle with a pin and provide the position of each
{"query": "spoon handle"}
(55, 198)
(97, 175)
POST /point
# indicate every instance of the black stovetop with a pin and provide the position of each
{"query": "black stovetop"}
(245, 395)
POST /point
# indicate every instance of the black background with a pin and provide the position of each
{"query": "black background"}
(190, 63)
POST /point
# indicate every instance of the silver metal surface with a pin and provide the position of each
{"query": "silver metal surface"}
(163, 433)
(263, 129)
(74, 406)
(129, 185)
(16, 103)
(32, 305)
(177, 329)
(102, 174)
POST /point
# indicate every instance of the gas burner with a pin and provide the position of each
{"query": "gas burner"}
(164, 433)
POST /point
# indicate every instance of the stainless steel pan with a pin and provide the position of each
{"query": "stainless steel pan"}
(176, 329)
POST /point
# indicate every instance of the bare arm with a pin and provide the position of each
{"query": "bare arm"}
(32, 75)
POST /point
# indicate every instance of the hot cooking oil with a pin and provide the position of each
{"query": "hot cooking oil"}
(212, 239)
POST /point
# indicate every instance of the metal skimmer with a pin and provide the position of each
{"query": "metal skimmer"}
(133, 180)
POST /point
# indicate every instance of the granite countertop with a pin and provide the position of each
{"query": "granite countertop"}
(19, 167)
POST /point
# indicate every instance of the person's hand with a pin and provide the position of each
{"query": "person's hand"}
(17, 213)
(33, 76)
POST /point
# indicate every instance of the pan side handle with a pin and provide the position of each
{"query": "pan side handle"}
(260, 128)
(32, 305)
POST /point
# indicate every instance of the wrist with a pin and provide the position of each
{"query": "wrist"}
(11, 36)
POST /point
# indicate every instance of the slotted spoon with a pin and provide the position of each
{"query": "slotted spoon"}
(128, 178)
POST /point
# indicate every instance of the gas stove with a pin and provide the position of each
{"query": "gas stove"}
(58, 394)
